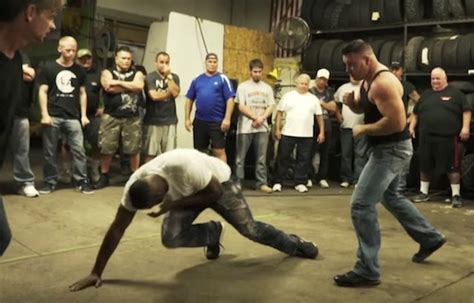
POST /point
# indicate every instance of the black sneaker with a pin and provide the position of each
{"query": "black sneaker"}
(103, 182)
(425, 252)
(351, 279)
(213, 251)
(305, 249)
(456, 201)
(47, 188)
(421, 197)
(84, 187)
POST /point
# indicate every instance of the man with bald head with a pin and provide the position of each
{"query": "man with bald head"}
(444, 116)
(63, 104)
(21, 22)
(380, 100)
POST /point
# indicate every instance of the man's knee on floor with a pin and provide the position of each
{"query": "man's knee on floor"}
(170, 240)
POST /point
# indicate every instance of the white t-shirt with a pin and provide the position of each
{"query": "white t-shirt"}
(351, 119)
(258, 97)
(300, 110)
(187, 171)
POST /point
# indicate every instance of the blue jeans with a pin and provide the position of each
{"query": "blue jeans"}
(260, 143)
(72, 132)
(379, 182)
(303, 158)
(353, 154)
(5, 233)
(178, 229)
(20, 147)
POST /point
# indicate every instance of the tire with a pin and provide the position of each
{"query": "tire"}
(440, 9)
(464, 52)
(311, 55)
(411, 53)
(457, 8)
(376, 46)
(426, 48)
(306, 10)
(337, 63)
(393, 11)
(335, 15)
(364, 13)
(469, 4)
(397, 53)
(317, 13)
(414, 10)
(344, 19)
(325, 54)
(449, 54)
(377, 6)
(328, 14)
(436, 55)
(354, 15)
(386, 53)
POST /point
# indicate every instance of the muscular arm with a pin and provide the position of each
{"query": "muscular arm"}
(158, 96)
(43, 103)
(278, 125)
(387, 98)
(83, 101)
(413, 122)
(330, 106)
(188, 106)
(109, 84)
(321, 137)
(173, 88)
(134, 86)
(112, 238)
(225, 125)
(466, 125)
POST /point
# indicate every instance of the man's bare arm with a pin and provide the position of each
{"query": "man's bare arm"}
(109, 84)
(111, 240)
(134, 86)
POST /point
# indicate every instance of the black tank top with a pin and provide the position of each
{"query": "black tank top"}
(373, 115)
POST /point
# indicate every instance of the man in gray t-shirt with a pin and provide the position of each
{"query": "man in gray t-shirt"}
(162, 87)
(256, 102)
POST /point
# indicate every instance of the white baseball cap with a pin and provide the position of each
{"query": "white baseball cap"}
(323, 73)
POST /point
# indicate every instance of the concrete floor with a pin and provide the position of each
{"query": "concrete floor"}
(57, 236)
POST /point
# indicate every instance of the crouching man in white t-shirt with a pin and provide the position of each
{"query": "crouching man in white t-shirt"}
(184, 182)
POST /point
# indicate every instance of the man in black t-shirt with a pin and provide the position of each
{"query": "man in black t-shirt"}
(63, 103)
(444, 116)
(21, 21)
(162, 87)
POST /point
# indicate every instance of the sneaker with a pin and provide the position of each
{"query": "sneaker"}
(301, 188)
(345, 184)
(213, 251)
(323, 183)
(103, 182)
(310, 183)
(456, 201)
(351, 279)
(84, 187)
(47, 188)
(425, 252)
(421, 197)
(266, 189)
(305, 249)
(276, 187)
(29, 191)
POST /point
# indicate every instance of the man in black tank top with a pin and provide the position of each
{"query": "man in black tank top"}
(385, 125)
(21, 22)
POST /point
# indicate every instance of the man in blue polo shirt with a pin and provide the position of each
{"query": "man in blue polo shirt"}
(214, 97)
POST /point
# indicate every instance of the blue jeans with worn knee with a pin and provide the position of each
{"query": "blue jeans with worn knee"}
(178, 229)
(72, 132)
(20, 147)
(260, 143)
(379, 183)
(5, 233)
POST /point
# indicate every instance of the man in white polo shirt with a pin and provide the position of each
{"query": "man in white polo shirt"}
(184, 182)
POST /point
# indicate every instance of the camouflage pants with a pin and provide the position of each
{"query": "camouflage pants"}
(112, 130)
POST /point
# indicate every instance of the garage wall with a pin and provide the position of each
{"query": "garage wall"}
(248, 13)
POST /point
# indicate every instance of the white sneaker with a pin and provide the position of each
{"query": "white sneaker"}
(310, 183)
(301, 188)
(345, 184)
(29, 191)
(276, 187)
(323, 183)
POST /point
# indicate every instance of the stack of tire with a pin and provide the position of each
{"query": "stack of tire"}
(343, 14)
(328, 54)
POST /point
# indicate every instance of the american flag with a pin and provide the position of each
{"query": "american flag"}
(282, 9)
